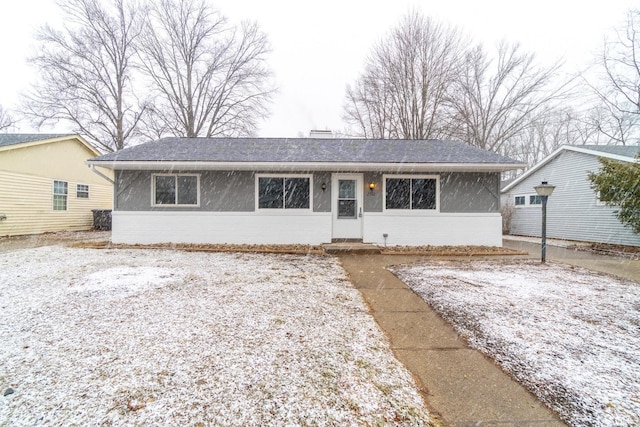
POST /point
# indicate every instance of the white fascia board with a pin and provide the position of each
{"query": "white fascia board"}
(556, 153)
(313, 166)
(533, 169)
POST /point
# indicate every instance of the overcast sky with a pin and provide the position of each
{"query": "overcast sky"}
(319, 47)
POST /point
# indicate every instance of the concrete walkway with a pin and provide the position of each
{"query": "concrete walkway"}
(460, 385)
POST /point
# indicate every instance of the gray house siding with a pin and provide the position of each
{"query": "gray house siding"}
(373, 199)
(220, 191)
(234, 191)
(573, 212)
(469, 192)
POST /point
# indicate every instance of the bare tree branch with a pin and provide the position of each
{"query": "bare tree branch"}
(207, 77)
(86, 71)
(497, 99)
(6, 121)
(404, 89)
(618, 88)
(547, 132)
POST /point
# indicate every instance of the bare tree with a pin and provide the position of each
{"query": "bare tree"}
(496, 99)
(370, 106)
(548, 131)
(619, 87)
(404, 89)
(5, 119)
(207, 78)
(613, 125)
(85, 73)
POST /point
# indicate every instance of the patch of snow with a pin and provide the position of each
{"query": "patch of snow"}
(570, 335)
(159, 337)
(126, 280)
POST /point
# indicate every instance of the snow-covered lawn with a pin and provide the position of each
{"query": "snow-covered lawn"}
(161, 337)
(570, 335)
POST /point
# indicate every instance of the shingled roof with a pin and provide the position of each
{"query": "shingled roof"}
(617, 150)
(301, 151)
(7, 139)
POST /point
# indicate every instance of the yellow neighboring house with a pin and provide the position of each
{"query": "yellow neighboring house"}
(45, 184)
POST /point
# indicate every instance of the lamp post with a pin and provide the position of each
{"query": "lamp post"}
(544, 190)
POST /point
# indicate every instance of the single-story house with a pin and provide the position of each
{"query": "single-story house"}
(306, 191)
(46, 184)
(573, 210)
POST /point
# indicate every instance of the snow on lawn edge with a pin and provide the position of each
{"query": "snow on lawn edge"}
(567, 334)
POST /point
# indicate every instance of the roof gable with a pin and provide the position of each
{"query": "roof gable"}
(289, 151)
(9, 141)
(623, 153)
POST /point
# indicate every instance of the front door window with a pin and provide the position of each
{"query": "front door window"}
(347, 201)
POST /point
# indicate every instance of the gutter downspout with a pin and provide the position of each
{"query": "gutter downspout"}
(97, 172)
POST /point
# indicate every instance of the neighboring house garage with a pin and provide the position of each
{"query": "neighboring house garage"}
(574, 211)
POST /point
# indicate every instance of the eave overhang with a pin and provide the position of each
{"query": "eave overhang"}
(306, 166)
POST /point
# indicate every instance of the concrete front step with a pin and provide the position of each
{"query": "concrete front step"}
(351, 248)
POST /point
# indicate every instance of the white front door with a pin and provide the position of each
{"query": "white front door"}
(346, 206)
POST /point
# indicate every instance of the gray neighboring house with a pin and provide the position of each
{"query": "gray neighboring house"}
(573, 210)
(306, 191)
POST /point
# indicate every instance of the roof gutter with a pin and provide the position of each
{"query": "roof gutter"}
(308, 166)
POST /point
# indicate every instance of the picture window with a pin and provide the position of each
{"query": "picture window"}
(276, 192)
(411, 193)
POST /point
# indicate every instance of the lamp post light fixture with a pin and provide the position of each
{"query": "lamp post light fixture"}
(544, 190)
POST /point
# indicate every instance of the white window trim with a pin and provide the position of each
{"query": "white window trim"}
(283, 210)
(527, 200)
(88, 192)
(410, 211)
(165, 205)
(53, 194)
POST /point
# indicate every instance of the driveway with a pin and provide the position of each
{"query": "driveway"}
(558, 251)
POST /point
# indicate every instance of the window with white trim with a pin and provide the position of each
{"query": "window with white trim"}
(284, 192)
(82, 191)
(404, 192)
(535, 199)
(176, 190)
(527, 200)
(60, 195)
